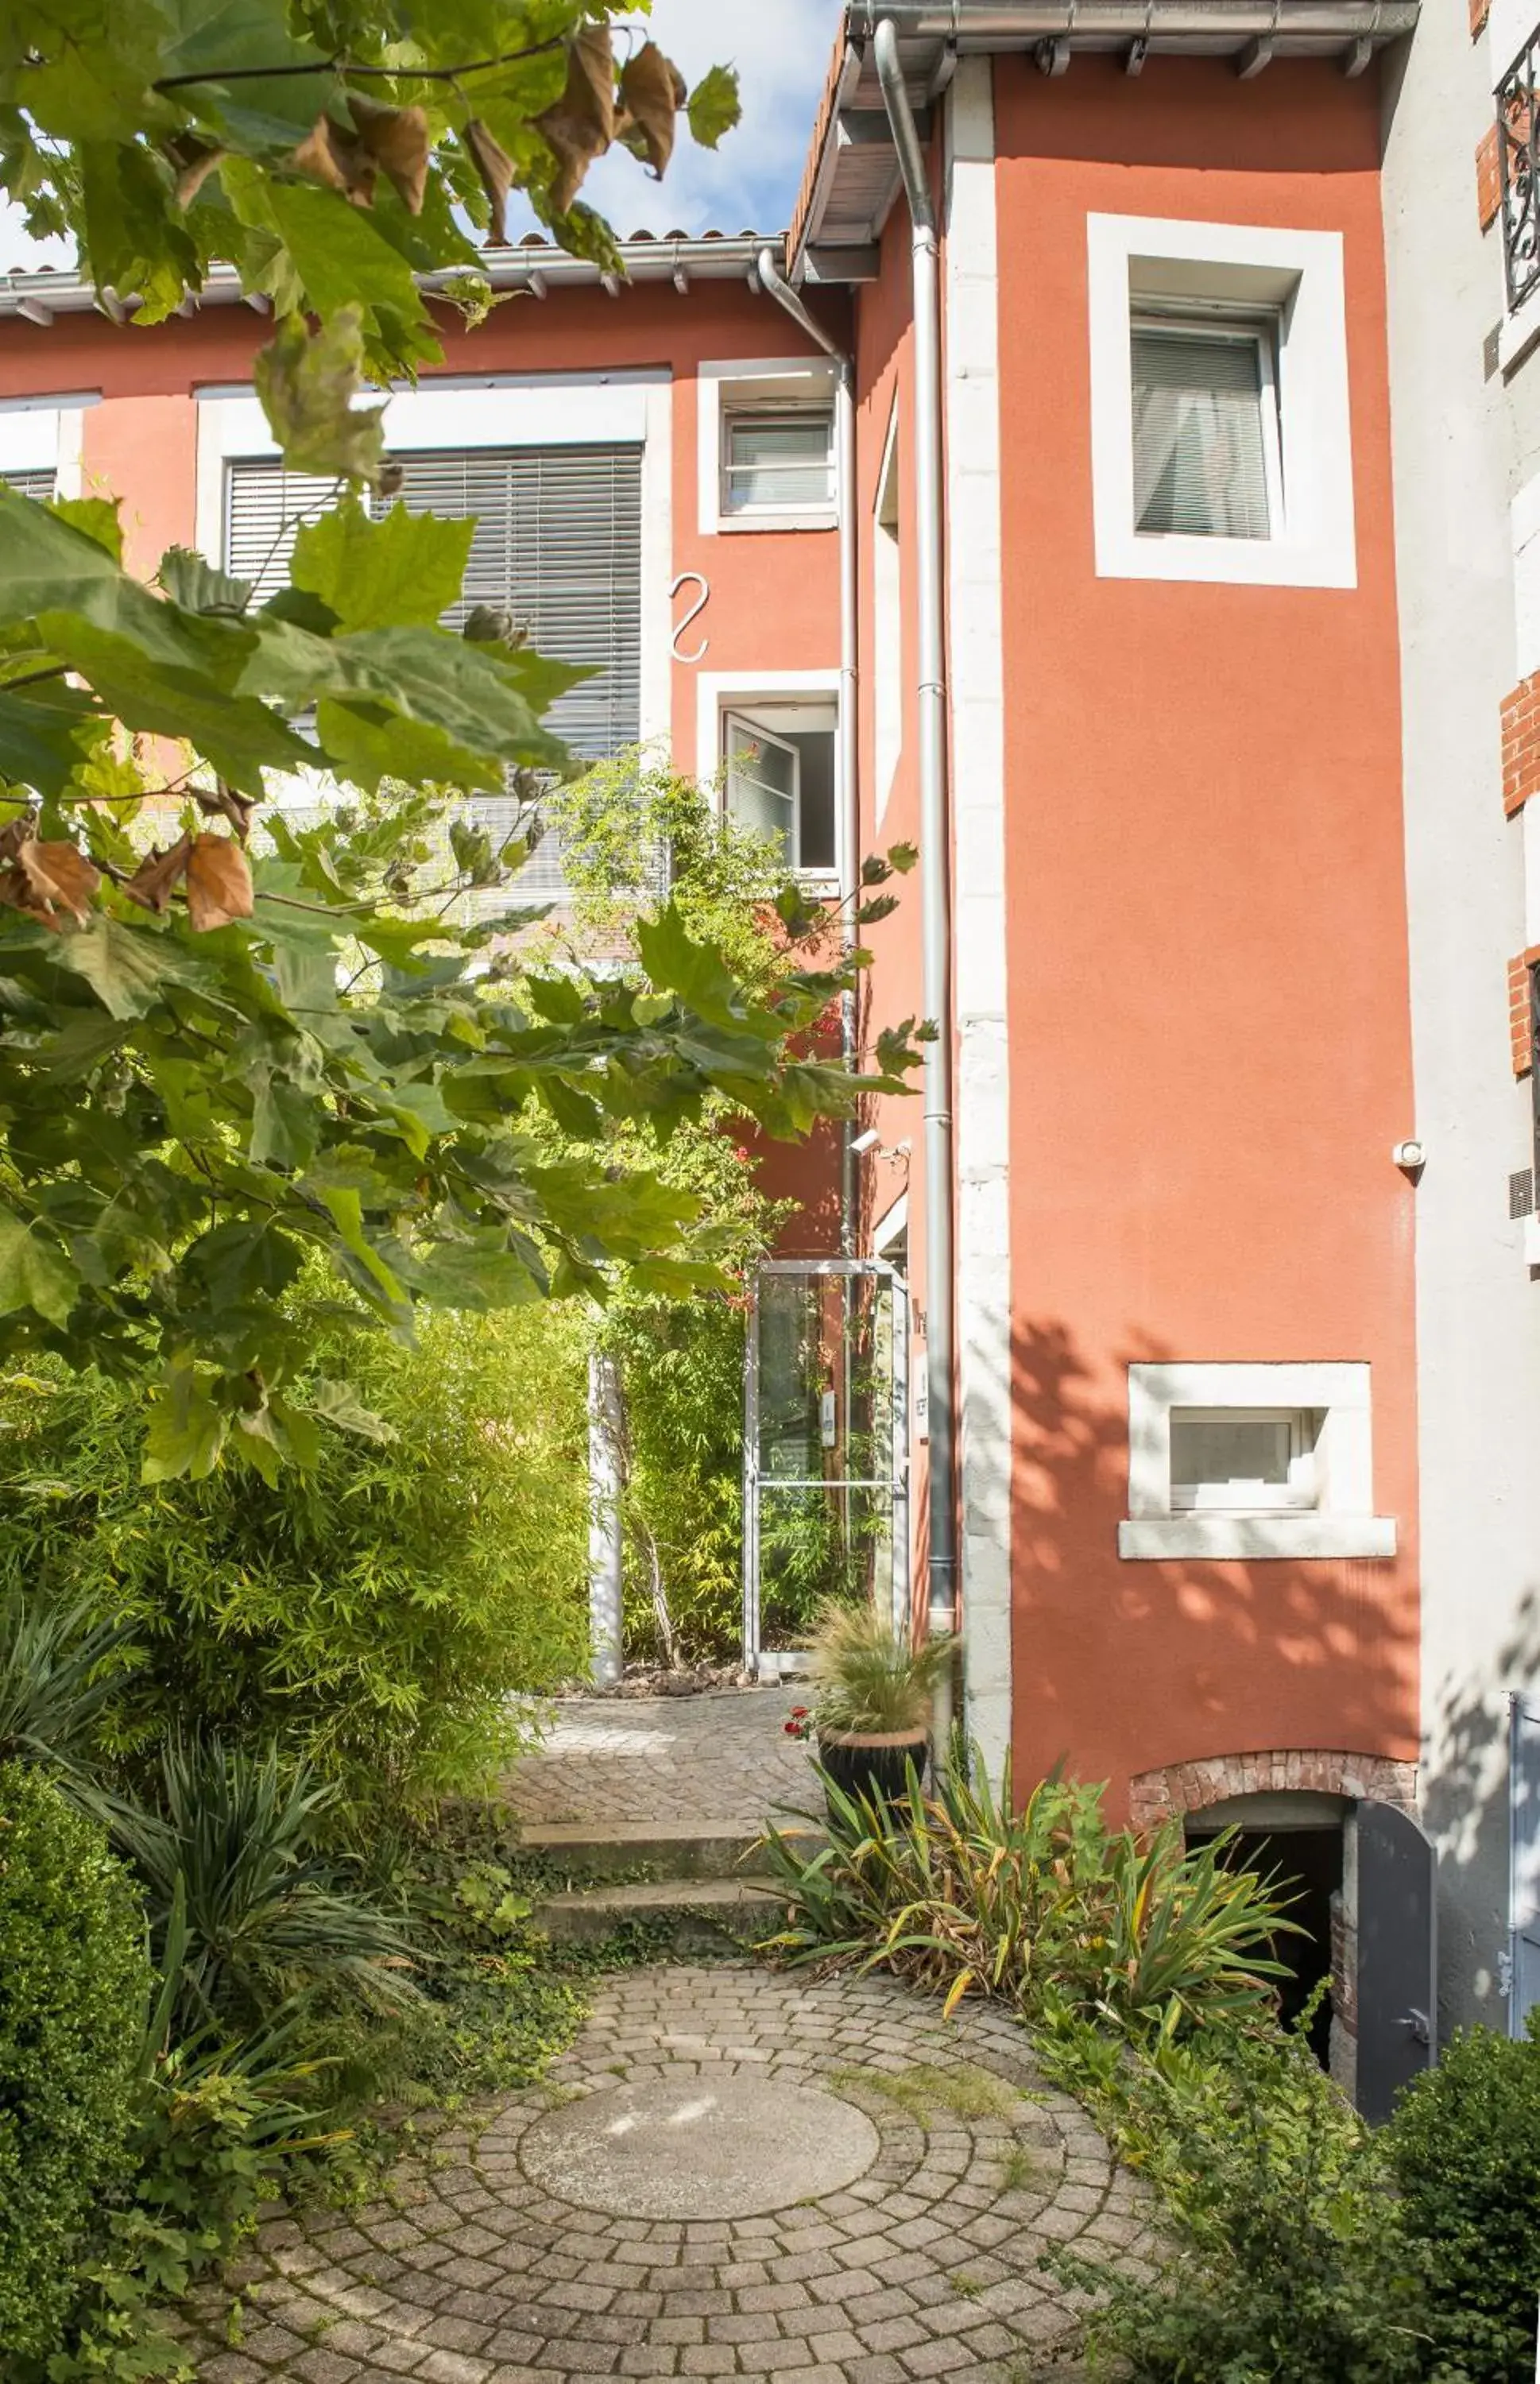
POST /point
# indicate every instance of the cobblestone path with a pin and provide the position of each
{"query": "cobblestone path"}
(923, 2263)
(714, 1761)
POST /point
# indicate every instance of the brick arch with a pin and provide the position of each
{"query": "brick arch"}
(1177, 1788)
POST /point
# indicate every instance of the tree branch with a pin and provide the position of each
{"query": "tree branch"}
(375, 74)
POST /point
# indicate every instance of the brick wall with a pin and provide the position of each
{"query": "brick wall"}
(1521, 740)
(1489, 179)
(1519, 1026)
(1155, 1797)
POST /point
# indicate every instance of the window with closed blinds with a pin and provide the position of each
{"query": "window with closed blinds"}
(778, 460)
(558, 546)
(38, 483)
(1200, 432)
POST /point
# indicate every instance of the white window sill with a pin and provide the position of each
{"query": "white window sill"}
(727, 523)
(1245, 1539)
(1233, 562)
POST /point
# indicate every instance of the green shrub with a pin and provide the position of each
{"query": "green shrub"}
(1464, 2150)
(74, 1980)
(1285, 2265)
(1046, 1908)
(380, 1613)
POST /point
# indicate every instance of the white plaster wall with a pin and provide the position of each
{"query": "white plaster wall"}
(1464, 447)
(977, 776)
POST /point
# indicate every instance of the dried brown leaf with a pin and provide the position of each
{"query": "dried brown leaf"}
(652, 90)
(58, 877)
(581, 125)
(157, 879)
(194, 161)
(219, 884)
(338, 158)
(399, 141)
(495, 166)
(225, 803)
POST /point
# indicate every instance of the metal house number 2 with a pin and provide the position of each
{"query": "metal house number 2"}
(693, 614)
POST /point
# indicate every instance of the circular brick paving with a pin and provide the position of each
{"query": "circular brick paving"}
(472, 2270)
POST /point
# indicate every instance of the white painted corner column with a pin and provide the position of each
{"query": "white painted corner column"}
(606, 1553)
(977, 769)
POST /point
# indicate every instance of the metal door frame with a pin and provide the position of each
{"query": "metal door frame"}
(814, 1270)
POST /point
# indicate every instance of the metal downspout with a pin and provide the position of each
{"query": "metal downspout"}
(850, 827)
(935, 857)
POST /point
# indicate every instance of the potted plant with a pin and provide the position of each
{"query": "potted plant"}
(872, 1695)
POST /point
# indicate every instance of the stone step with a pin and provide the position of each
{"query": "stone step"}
(696, 1913)
(683, 1850)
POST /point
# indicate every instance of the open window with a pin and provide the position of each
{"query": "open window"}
(780, 775)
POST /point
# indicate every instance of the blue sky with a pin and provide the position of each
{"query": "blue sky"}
(781, 49)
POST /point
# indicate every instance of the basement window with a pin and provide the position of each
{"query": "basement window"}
(1252, 1461)
(1244, 1460)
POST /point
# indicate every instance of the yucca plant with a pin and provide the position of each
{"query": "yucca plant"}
(1042, 1906)
(236, 1848)
(57, 1674)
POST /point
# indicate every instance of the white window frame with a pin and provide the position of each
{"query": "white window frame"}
(1300, 1492)
(888, 678)
(1341, 1523)
(1139, 263)
(768, 410)
(721, 694)
(533, 410)
(42, 434)
(753, 385)
(1244, 329)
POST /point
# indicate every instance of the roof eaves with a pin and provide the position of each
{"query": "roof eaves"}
(851, 180)
(532, 264)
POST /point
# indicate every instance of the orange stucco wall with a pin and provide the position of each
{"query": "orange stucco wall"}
(1208, 1004)
(774, 600)
(775, 597)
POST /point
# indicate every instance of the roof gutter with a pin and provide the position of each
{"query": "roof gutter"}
(774, 281)
(535, 269)
(1221, 24)
(935, 850)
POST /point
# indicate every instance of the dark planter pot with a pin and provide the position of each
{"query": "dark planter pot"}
(864, 1761)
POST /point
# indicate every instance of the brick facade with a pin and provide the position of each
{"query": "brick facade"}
(1489, 179)
(1177, 1788)
(1521, 738)
(1520, 1027)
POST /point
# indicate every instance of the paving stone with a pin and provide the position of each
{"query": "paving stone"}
(471, 2272)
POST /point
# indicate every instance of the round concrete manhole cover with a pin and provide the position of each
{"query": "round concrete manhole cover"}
(731, 2147)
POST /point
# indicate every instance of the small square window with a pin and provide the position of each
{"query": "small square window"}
(777, 459)
(779, 772)
(1243, 1460)
(1206, 449)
